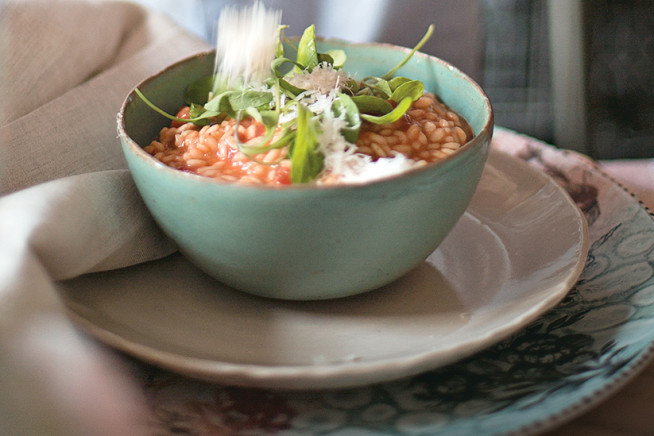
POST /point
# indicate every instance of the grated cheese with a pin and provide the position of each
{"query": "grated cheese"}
(245, 42)
(343, 164)
(368, 171)
(323, 78)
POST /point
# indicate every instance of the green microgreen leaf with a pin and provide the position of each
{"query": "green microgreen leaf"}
(418, 46)
(338, 58)
(383, 89)
(324, 57)
(345, 108)
(307, 52)
(352, 86)
(164, 113)
(269, 118)
(279, 43)
(241, 100)
(364, 90)
(196, 110)
(412, 89)
(290, 90)
(264, 145)
(369, 104)
(198, 92)
(253, 113)
(220, 103)
(277, 63)
(395, 82)
(392, 116)
(200, 116)
(306, 160)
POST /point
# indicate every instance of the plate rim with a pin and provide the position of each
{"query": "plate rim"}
(340, 374)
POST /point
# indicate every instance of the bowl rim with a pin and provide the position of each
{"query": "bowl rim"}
(137, 150)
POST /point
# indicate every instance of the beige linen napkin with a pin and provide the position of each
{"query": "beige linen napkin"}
(68, 204)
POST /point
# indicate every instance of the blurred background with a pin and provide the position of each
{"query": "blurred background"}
(576, 74)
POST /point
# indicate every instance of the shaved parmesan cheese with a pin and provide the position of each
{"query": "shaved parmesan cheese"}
(317, 102)
(246, 43)
(379, 169)
(343, 164)
(323, 78)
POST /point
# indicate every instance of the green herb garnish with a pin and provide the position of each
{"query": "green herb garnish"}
(379, 100)
(306, 160)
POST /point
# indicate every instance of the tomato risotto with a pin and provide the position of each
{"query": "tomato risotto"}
(305, 120)
(428, 132)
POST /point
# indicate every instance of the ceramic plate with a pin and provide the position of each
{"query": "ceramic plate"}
(565, 362)
(515, 254)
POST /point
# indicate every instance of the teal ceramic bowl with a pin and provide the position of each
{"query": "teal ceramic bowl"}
(310, 242)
